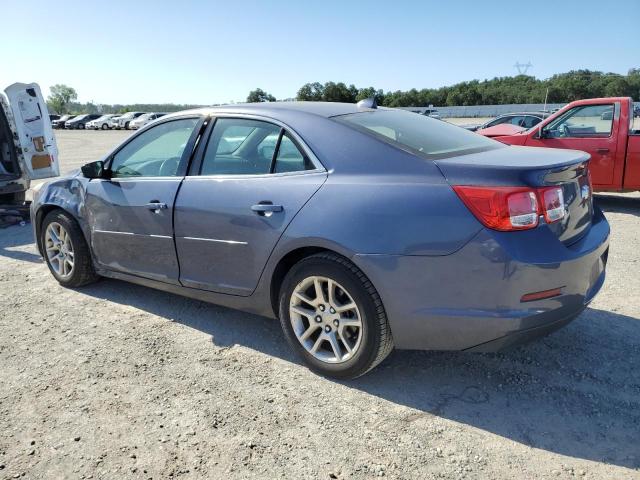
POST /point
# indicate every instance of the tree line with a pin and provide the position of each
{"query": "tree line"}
(560, 88)
(62, 100)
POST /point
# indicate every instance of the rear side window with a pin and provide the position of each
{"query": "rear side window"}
(289, 158)
(251, 147)
(418, 133)
(237, 147)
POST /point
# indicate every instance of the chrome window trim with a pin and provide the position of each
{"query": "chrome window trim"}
(239, 176)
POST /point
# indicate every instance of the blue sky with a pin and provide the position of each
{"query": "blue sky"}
(217, 51)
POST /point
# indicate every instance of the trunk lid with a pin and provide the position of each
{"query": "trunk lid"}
(532, 167)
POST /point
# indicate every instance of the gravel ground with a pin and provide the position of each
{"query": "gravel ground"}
(120, 381)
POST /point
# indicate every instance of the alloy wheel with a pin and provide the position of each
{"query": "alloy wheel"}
(59, 250)
(326, 319)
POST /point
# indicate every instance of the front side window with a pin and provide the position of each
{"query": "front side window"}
(251, 147)
(583, 121)
(156, 152)
(418, 133)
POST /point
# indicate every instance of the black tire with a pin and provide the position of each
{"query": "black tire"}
(126, 126)
(81, 126)
(83, 272)
(376, 343)
(104, 126)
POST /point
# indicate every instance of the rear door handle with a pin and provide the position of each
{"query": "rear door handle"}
(155, 205)
(264, 208)
(602, 150)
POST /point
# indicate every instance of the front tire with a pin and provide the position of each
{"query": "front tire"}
(66, 251)
(333, 317)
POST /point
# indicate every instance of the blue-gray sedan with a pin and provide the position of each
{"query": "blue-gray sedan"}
(360, 228)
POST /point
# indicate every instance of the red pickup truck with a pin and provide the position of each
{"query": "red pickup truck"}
(602, 127)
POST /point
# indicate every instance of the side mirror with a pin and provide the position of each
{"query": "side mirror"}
(93, 169)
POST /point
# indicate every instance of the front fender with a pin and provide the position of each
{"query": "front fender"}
(68, 194)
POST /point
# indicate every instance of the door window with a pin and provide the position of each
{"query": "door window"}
(156, 152)
(583, 121)
(289, 158)
(530, 121)
(251, 147)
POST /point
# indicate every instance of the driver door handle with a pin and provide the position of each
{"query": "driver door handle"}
(155, 205)
(602, 150)
(266, 207)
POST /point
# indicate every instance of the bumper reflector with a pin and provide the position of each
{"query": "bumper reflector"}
(530, 297)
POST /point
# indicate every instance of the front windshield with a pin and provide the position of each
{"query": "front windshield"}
(418, 133)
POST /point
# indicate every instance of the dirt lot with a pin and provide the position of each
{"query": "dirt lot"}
(120, 381)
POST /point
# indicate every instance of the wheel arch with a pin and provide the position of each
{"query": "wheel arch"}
(285, 264)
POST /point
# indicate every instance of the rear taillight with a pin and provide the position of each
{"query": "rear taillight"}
(512, 208)
(552, 203)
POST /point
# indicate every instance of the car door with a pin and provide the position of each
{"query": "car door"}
(130, 213)
(39, 153)
(250, 179)
(590, 128)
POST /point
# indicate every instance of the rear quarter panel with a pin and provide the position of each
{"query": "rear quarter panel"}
(389, 214)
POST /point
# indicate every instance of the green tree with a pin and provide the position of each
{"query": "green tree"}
(370, 92)
(311, 92)
(60, 97)
(339, 92)
(259, 95)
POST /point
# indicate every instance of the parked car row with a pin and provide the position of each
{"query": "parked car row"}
(96, 121)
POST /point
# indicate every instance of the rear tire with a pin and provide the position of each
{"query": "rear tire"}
(104, 126)
(126, 126)
(342, 331)
(66, 251)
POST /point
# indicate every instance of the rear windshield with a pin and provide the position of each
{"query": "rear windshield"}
(418, 133)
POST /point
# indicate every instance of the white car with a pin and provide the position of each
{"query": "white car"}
(101, 123)
(113, 121)
(125, 119)
(28, 148)
(142, 120)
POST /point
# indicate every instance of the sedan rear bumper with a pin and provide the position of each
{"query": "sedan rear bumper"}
(471, 299)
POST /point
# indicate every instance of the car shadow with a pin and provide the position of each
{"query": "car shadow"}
(618, 203)
(573, 393)
(16, 242)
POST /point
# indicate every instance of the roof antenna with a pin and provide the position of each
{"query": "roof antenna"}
(368, 103)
